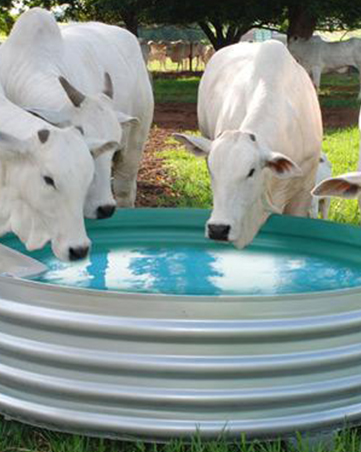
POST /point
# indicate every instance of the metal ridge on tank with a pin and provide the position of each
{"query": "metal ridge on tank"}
(156, 366)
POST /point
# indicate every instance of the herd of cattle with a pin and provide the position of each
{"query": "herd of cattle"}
(76, 106)
(179, 52)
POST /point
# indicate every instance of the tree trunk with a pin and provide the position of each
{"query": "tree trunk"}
(301, 22)
(220, 36)
(131, 21)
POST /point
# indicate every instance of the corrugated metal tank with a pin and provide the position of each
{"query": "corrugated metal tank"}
(162, 366)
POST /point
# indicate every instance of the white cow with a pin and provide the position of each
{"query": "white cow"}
(207, 53)
(261, 124)
(45, 173)
(106, 66)
(158, 52)
(179, 52)
(145, 48)
(319, 204)
(346, 186)
(317, 55)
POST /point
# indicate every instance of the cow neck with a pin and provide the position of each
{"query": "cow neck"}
(268, 205)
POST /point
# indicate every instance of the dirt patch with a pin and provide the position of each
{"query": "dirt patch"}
(183, 116)
(176, 116)
(154, 183)
(338, 88)
(339, 117)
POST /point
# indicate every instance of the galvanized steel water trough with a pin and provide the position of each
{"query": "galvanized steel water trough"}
(157, 366)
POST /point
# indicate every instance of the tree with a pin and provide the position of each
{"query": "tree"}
(304, 17)
(116, 12)
(6, 20)
(222, 22)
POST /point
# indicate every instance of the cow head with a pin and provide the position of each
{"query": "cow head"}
(102, 128)
(301, 50)
(44, 182)
(239, 167)
(345, 186)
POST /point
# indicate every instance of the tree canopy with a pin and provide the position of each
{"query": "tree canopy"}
(222, 22)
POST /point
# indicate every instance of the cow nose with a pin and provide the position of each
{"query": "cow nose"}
(78, 253)
(218, 231)
(105, 211)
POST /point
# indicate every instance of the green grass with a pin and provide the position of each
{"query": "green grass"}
(339, 90)
(15, 437)
(176, 90)
(342, 149)
(190, 175)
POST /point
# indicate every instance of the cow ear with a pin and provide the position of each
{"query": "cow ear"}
(198, 146)
(126, 119)
(59, 118)
(345, 186)
(12, 147)
(282, 166)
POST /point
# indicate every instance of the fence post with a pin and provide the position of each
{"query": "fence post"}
(191, 57)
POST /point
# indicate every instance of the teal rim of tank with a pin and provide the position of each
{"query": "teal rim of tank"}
(164, 251)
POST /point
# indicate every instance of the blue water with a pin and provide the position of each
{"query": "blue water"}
(187, 270)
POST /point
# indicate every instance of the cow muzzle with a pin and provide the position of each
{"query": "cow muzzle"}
(219, 232)
(78, 253)
(105, 211)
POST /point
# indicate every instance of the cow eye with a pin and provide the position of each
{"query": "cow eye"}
(250, 174)
(49, 181)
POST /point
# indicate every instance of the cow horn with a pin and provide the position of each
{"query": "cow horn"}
(75, 96)
(43, 135)
(108, 86)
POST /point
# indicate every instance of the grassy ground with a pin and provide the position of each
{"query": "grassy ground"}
(340, 90)
(171, 90)
(15, 437)
(336, 90)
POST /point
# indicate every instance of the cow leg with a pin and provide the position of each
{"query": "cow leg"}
(126, 166)
(314, 208)
(316, 77)
(359, 73)
(324, 207)
(359, 169)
